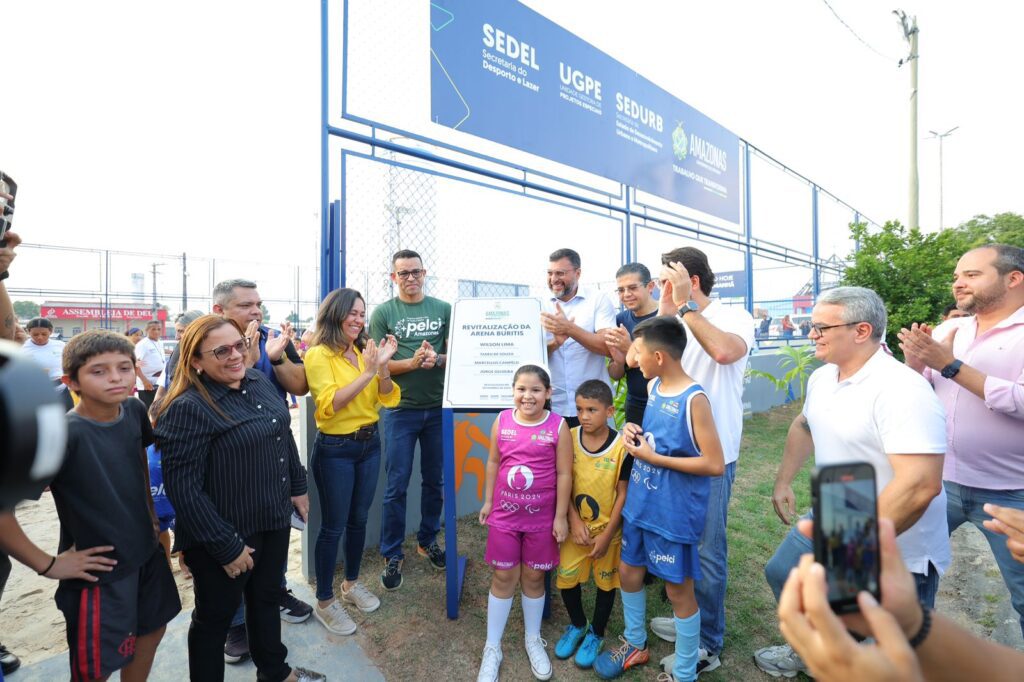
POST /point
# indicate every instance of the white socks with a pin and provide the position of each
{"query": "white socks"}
(497, 615)
(533, 613)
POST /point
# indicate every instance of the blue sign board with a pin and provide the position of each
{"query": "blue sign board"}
(730, 284)
(503, 72)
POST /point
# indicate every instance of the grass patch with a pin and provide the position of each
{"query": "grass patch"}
(411, 638)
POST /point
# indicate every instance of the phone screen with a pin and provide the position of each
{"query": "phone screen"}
(846, 533)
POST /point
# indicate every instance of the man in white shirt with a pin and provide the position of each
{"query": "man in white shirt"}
(150, 360)
(717, 361)
(575, 319)
(864, 405)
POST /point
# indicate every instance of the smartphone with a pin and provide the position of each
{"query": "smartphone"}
(845, 503)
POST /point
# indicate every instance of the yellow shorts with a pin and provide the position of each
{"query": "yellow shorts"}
(574, 565)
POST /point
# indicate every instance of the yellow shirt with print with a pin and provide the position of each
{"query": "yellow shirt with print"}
(595, 476)
(326, 372)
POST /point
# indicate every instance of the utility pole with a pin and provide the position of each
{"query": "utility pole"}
(940, 137)
(184, 281)
(909, 26)
(155, 269)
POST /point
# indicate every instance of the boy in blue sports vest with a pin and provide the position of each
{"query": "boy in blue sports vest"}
(674, 453)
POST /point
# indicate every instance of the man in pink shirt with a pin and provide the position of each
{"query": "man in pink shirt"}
(976, 365)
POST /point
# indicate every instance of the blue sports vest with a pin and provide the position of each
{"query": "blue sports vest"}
(667, 502)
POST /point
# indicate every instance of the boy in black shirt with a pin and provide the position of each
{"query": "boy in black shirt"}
(116, 590)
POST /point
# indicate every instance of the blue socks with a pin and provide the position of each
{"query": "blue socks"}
(634, 612)
(687, 643)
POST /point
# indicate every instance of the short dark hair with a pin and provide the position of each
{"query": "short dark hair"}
(696, 263)
(948, 309)
(559, 254)
(405, 253)
(91, 343)
(663, 333)
(1009, 258)
(595, 389)
(638, 269)
(39, 322)
(153, 323)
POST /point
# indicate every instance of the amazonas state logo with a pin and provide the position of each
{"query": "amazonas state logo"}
(680, 145)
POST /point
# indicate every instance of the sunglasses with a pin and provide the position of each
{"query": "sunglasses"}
(224, 352)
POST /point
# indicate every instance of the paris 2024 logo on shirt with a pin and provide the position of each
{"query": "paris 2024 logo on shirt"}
(520, 477)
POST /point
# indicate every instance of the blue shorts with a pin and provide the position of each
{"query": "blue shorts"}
(671, 561)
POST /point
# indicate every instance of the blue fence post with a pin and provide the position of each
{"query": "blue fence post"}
(747, 230)
(814, 241)
(455, 566)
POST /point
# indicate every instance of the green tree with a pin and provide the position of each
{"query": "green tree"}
(909, 269)
(1005, 228)
(293, 317)
(26, 309)
(266, 313)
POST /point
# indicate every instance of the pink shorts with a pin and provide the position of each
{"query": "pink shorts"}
(508, 548)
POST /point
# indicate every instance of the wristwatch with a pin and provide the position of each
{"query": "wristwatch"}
(952, 369)
(690, 307)
(278, 362)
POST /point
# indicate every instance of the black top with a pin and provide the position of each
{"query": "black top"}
(101, 491)
(229, 478)
(636, 385)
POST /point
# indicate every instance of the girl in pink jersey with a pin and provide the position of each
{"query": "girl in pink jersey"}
(526, 501)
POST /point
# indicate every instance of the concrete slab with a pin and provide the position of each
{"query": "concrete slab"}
(309, 646)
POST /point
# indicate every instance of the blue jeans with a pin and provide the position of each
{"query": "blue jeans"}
(345, 472)
(714, 563)
(795, 545)
(402, 428)
(964, 504)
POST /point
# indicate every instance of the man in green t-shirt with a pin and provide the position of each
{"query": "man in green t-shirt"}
(420, 323)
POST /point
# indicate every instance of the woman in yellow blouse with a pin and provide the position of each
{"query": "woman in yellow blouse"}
(348, 377)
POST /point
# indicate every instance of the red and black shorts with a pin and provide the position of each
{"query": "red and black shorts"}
(103, 621)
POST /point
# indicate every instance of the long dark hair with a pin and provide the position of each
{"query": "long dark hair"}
(332, 313)
(538, 372)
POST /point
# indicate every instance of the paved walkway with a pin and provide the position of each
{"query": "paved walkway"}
(309, 646)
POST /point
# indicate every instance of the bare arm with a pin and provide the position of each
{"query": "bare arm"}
(711, 462)
(7, 318)
(798, 448)
(292, 377)
(563, 469)
(493, 459)
(67, 565)
(916, 480)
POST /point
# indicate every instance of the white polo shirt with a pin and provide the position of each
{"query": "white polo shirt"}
(49, 357)
(884, 409)
(572, 364)
(150, 355)
(722, 383)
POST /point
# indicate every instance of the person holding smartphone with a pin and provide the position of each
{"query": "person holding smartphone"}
(910, 642)
(864, 405)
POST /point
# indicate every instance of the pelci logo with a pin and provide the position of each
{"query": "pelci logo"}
(680, 146)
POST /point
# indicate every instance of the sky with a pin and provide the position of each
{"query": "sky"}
(193, 126)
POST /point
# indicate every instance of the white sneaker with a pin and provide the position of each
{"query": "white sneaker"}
(665, 628)
(360, 597)
(779, 661)
(540, 664)
(335, 618)
(490, 664)
(706, 662)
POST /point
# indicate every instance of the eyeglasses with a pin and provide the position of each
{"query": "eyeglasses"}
(406, 274)
(820, 329)
(224, 352)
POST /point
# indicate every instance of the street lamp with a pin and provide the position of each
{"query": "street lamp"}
(940, 137)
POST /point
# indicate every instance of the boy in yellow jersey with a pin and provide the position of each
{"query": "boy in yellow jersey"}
(600, 472)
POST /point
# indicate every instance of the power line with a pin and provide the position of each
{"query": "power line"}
(850, 29)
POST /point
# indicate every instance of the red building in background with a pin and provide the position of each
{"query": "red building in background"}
(70, 319)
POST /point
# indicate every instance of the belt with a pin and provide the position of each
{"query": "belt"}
(362, 433)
